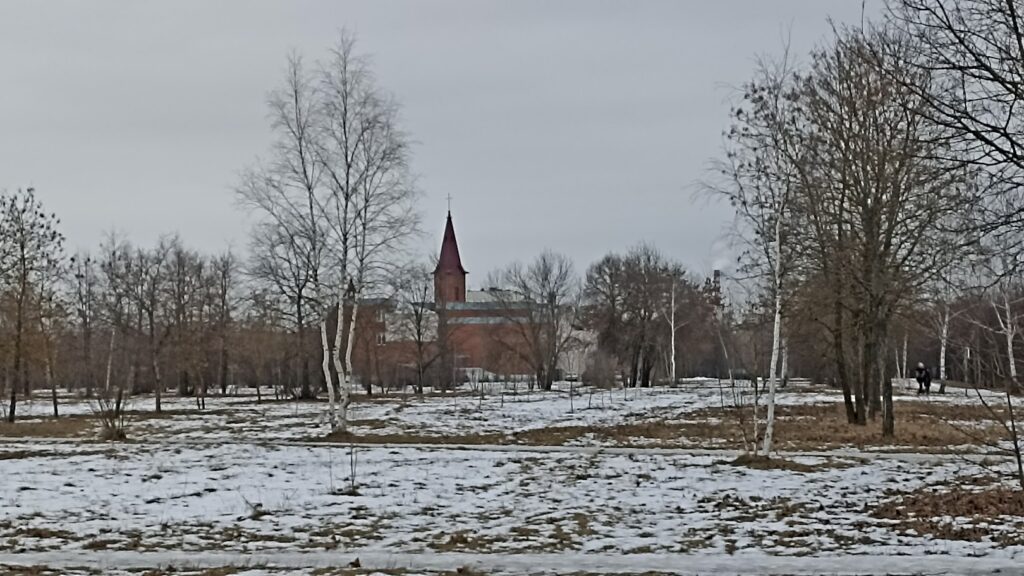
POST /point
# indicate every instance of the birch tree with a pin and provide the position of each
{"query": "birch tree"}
(370, 206)
(339, 185)
(762, 175)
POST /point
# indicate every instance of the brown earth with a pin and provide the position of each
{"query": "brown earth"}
(920, 425)
(931, 512)
(68, 427)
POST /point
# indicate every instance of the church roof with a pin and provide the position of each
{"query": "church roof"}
(449, 261)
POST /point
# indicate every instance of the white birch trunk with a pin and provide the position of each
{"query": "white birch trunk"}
(967, 366)
(346, 392)
(339, 368)
(904, 364)
(943, 339)
(1010, 330)
(326, 365)
(110, 362)
(672, 325)
(899, 367)
(776, 340)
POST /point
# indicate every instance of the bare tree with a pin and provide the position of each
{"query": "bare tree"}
(364, 156)
(224, 272)
(879, 213)
(282, 265)
(764, 154)
(541, 303)
(415, 320)
(973, 50)
(289, 243)
(146, 276)
(340, 190)
(31, 248)
(85, 306)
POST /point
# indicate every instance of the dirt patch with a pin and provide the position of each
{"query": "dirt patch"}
(921, 426)
(989, 504)
(995, 514)
(15, 570)
(758, 462)
(19, 454)
(924, 425)
(40, 533)
(69, 427)
(462, 541)
(371, 423)
(412, 438)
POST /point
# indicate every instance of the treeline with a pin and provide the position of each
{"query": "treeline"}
(876, 186)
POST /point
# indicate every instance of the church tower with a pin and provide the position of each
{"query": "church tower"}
(449, 276)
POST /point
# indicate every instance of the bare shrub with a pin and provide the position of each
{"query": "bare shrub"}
(109, 408)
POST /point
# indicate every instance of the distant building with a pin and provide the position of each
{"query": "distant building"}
(469, 334)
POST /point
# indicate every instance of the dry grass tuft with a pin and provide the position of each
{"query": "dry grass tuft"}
(759, 462)
(932, 513)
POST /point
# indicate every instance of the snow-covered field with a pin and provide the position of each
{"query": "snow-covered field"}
(500, 409)
(247, 485)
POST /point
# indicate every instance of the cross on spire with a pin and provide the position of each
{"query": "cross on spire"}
(449, 202)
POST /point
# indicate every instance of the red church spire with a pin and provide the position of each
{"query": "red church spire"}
(449, 261)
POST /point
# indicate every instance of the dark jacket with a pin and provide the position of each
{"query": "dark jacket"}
(924, 377)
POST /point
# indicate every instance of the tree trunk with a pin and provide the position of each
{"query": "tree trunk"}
(90, 374)
(899, 369)
(943, 339)
(875, 388)
(328, 380)
(672, 343)
(1010, 330)
(785, 363)
(20, 366)
(14, 403)
(839, 348)
(223, 367)
(888, 416)
(346, 368)
(52, 384)
(305, 384)
(773, 364)
(904, 368)
(865, 383)
(157, 383)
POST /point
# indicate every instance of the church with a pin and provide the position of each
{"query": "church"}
(462, 335)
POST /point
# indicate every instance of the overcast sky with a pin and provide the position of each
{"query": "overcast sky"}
(579, 126)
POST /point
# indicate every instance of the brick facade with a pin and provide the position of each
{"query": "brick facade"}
(477, 335)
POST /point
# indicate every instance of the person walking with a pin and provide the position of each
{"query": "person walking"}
(924, 379)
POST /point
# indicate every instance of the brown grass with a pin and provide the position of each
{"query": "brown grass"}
(69, 427)
(412, 438)
(758, 462)
(41, 533)
(19, 454)
(986, 504)
(920, 425)
(927, 513)
(14, 570)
